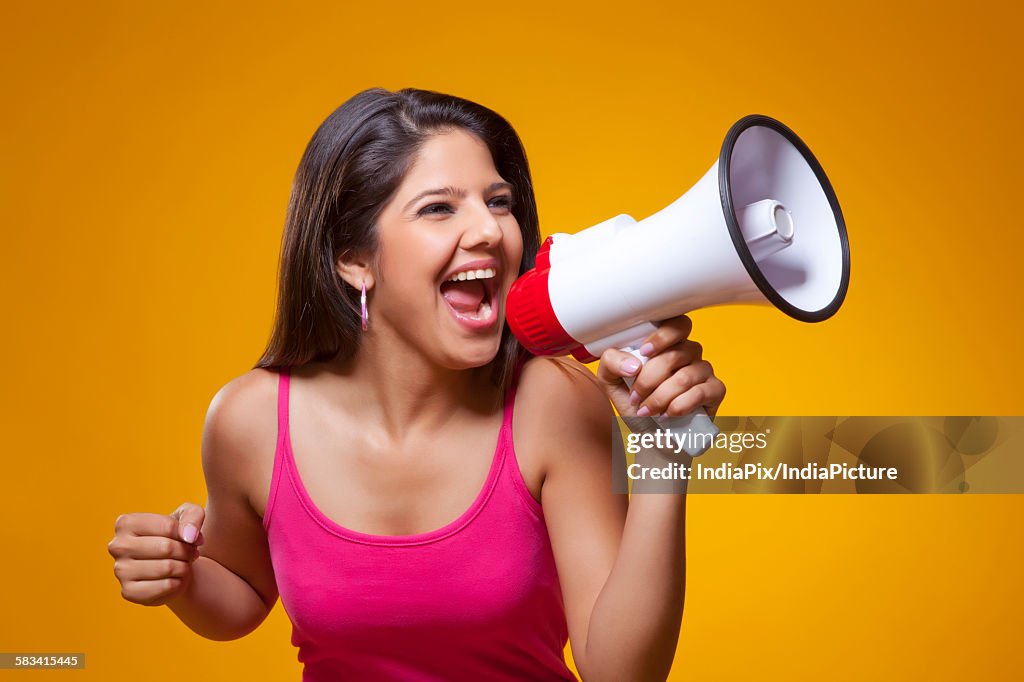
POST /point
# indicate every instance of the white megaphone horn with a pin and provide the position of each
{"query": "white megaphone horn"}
(762, 226)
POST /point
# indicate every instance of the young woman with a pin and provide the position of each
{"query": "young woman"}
(429, 501)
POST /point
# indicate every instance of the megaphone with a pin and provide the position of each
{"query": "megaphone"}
(762, 226)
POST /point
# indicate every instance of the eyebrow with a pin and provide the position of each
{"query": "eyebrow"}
(450, 191)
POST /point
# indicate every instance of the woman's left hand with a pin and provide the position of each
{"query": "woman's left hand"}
(675, 380)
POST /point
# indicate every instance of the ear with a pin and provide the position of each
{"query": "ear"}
(355, 269)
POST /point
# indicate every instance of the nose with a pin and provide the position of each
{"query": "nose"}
(482, 230)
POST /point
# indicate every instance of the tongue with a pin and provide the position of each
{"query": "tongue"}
(465, 297)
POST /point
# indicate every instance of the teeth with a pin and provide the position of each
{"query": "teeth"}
(486, 273)
(482, 314)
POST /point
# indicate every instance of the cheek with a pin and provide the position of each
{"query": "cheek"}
(513, 239)
(410, 257)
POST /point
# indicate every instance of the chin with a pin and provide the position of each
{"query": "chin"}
(473, 357)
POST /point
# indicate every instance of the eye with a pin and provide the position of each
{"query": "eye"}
(435, 209)
(503, 201)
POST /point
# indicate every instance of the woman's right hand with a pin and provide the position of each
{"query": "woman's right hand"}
(153, 553)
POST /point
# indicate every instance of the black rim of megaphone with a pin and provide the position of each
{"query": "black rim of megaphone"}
(725, 188)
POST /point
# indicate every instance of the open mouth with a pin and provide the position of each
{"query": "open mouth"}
(470, 296)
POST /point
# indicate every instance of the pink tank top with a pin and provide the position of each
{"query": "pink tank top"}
(477, 599)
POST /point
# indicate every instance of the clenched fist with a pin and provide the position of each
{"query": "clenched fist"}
(153, 553)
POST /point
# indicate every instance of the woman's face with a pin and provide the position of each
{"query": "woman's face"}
(450, 219)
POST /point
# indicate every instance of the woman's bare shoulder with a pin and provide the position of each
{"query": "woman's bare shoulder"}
(559, 401)
(562, 385)
(247, 403)
(240, 432)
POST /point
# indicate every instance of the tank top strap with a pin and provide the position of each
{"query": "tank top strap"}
(510, 396)
(509, 469)
(283, 437)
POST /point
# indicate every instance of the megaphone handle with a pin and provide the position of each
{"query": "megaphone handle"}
(697, 423)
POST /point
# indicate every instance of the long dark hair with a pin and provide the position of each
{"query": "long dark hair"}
(350, 169)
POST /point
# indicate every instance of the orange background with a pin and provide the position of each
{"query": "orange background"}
(146, 163)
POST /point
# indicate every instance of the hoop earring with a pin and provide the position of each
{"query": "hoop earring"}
(362, 302)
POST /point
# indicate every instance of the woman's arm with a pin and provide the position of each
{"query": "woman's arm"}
(621, 567)
(232, 588)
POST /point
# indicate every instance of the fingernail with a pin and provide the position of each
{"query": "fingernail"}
(643, 412)
(634, 398)
(630, 365)
(646, 349)
(190, 532)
